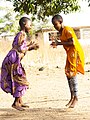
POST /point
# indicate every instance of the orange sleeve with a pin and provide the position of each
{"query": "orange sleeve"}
(68, 33)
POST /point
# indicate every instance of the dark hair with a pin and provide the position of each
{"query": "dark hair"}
(58, 18)
(23, 21)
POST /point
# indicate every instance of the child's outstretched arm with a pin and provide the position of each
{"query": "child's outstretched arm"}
(69, 42)
(32, 46)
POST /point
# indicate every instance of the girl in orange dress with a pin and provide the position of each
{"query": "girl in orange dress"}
(75, 56)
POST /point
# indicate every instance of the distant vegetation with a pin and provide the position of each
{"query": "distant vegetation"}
(45, 8)
(40, 11)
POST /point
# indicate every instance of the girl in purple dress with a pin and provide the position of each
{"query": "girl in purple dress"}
(13, 76)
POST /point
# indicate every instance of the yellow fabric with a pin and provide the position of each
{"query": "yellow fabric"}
(75, 54)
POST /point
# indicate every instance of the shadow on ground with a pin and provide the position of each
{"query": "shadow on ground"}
(43, 114)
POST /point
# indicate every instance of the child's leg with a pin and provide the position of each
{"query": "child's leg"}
(70, 83)
(22, 104)
(73, 90)
(20, 91)
(17, 104)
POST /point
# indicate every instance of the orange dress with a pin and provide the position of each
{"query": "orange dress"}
(75, 54)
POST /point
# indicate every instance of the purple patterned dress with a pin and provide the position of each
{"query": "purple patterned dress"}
(13, 76)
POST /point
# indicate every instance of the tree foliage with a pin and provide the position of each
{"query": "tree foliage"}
(43, 8)
(9, 20)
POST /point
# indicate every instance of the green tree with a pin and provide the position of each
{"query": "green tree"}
(43, 8)
(9, 20)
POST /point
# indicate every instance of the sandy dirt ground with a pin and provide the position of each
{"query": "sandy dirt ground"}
(49, 93)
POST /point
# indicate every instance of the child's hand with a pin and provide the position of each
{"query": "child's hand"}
(36, 46)
(33, 46)
(53, 44)
(31, 43)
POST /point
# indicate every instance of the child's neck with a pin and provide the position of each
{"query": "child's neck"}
(61, 30)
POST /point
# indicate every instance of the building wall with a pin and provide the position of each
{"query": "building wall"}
(78, 34)
(85, 33)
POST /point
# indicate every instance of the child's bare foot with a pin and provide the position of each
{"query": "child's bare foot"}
(69, 103)
(24, 105)
(75, 100)
(17, 106)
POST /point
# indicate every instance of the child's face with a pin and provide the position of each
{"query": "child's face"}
(57, 25)
(28, 26)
